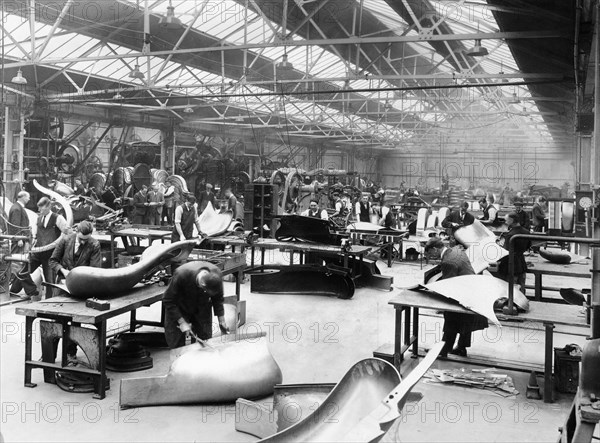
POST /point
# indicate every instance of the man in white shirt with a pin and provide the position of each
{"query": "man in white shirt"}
(50, 228)
(314, 212)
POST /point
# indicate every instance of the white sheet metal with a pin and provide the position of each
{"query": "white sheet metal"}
(482, 248)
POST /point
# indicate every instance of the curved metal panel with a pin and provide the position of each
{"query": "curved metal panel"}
(357, 394)
(477, 293)
(556, 256)
(86, 281)
(59, 199)
(214, 223)
(220, 373)
(481, 245)
(298, 227)
(302, 279)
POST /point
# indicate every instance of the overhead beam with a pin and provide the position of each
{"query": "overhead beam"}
(278, 43)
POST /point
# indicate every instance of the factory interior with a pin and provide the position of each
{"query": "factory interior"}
(300, 221)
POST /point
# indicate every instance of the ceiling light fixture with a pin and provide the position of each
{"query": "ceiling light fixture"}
(19, 79)
(170, 21)
(477, 50)
(284, 63)
(136, 73)
(188, 109)
(514, 100)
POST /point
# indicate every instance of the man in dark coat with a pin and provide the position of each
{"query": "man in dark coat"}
(79, 249)
(520, 246)
(521, 216)
(205, 198)
(232, 204)
(156, 201)
(140, 205)
(194, 293)
(459, 218)
(454, 262)
(18, 222)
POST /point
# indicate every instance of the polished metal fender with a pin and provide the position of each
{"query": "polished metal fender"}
(220, 372)
(59, 199)
(360, 391)
(362, 406)
(86, 281)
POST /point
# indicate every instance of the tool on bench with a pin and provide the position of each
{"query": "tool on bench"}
(99, 305)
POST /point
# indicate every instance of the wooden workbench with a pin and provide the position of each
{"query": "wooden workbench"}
(408, 302)
(543, 267)
(356, 251)
(67, 316)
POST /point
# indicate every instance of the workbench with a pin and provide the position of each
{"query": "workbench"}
(149, 232)
(67, 317)
(385, 239)
(544, 267)
(406, 336)
(355, 251)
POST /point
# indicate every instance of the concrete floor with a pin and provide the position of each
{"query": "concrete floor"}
(313, 339)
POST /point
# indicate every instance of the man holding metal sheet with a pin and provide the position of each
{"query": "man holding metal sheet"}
(454, 262)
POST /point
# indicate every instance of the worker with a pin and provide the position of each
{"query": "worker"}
(364, 209)
(77, 249)
(522, 216)
(170, 204)
(140, 205)
(50, 227)
(539, 216)
(156, 201)
(490, 212)
(186, 216)
(205, 198)
(520, 246)
(72, 251)
(386, 217)
(459, 218)
(454, 262)
(232, 204)
(314, 211)
(195, 290)
(18, 223)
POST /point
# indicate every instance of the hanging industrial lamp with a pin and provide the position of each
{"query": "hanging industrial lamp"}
(118, 95)
(477, 50)
(136, 73)
(514, 100)
(170, 21)
(284, 63)
(19, 79)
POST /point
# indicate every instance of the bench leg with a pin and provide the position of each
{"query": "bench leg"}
(28, 346)
(548, 384)
(398, 337)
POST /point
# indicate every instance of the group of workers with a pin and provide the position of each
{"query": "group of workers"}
(454, 261)
(363, 210)
(194, 293)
